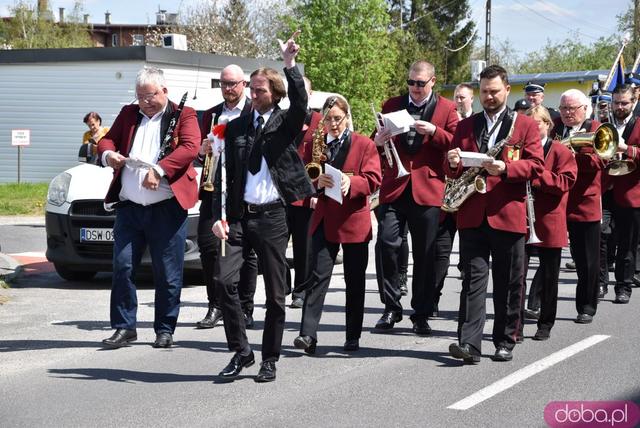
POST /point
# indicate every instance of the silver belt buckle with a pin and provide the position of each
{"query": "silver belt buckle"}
(250, 210)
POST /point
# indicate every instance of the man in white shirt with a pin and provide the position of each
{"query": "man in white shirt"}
(151, 197)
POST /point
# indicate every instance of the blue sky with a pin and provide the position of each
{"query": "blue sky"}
(527, 24)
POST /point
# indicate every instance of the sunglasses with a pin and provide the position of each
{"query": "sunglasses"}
(418, 83)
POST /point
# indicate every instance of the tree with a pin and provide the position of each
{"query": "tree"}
(346, 48)
(236, 29)
(28, 30)
(443, 32)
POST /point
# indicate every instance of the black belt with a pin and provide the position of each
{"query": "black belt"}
(260, 208)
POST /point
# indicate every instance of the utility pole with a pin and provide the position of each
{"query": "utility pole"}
(487, 36)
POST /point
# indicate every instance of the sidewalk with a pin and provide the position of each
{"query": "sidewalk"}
(9, 267)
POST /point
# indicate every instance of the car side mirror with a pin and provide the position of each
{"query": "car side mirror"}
(84, 153)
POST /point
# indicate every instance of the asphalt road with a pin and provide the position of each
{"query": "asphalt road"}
(53, 371)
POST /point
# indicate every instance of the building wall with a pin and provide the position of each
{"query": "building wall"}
(51, 100)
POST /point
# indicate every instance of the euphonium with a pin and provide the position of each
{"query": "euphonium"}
(604, 141)
(314, 168)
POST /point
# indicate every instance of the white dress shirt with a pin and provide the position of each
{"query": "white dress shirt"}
(490, 124)
(259, 188)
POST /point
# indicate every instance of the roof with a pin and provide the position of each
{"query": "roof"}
(133, 53)
(564, 76)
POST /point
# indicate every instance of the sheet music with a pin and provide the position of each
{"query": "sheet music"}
(335, 192)
(136, 163)
(474, 159)
(398, 122)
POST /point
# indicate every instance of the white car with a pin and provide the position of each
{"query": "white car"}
(80, 231)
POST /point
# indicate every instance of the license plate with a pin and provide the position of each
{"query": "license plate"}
(96, 235)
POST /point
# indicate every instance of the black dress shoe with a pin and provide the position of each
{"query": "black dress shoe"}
(602, 291)
(584, 319)
(213, 317)
(297, 303)
(570, 265)
(163, 340)
(464, 352)
(248, 321)
(435, 312)
(636, 279)
(520, 338)
(621, 298)
(351, 345)
(307, 343)
(532, 314)
(541, 335)
(121, 337)
(388, 320)
(237, 363)
(267, 372)
(502, 354)
(421, 327)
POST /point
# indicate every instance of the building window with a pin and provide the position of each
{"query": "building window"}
(137, 40)
(115, 40)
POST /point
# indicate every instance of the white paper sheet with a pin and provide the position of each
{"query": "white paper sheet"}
(474, 159)
(398, 122)
(134, 163)
(334, 193)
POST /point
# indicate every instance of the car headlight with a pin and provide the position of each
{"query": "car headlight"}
(59, 188)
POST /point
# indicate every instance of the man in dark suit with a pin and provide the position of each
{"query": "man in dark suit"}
(493, 224)
(534, 93)
(151, 203)
(232, 85)
(264, 172)
(584, 208)
(414, 199)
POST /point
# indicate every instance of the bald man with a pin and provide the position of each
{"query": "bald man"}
(232, 85)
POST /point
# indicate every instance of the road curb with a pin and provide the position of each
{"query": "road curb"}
(10, 269)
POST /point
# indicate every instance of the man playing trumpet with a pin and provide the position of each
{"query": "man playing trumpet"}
(414, 199)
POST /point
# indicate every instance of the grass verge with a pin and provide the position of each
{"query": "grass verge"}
(23, 198)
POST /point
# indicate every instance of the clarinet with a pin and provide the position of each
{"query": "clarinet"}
(165, 147)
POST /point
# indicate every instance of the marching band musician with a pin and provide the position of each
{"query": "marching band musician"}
(551, 194)
(626, 192)
(584, 210)
(463, 97)
(264, 172)
(232, 85)
(346, 224)
(494, 223)
(414, 199)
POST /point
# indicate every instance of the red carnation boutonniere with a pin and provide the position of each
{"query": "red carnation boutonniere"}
(218, 130)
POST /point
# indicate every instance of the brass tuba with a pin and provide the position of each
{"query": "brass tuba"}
(314, 168)
(604, 141)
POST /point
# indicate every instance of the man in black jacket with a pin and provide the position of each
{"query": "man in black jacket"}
(264, 172)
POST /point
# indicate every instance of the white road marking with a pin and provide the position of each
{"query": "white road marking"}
(526, 372)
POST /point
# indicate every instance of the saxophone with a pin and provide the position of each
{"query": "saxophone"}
(458, 190)
(319, 148)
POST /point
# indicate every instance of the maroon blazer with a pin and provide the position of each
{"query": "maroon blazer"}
(351, 222)
(626, 188)
(305, 144)
(424, 167)
(585, 198)
(503, 205)
(177, 165)
(551, 191)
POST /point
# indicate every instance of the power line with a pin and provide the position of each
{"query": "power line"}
(577, 18)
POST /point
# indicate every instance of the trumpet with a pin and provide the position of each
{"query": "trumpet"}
(531, 217)
(389, 148)
(210, 164)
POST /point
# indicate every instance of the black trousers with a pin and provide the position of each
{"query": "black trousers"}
(507, 257)
(209, 246)
(444, 244)
(584, 240)
(268, 235)
(355, 259)
(299, 219)
(607, 239)
(403, 256)
(628, 223)
(535, 289)
(423, 226)
(546, 288)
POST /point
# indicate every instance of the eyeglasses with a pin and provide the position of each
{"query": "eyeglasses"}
(229, 85)
(336, 119)
(570, 109)
(418, 83)
(146, 97)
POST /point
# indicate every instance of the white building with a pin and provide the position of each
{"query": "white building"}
(49, 91)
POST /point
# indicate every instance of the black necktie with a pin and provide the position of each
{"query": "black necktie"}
(255, 157)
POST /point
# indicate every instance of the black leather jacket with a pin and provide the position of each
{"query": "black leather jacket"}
(279, 150)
